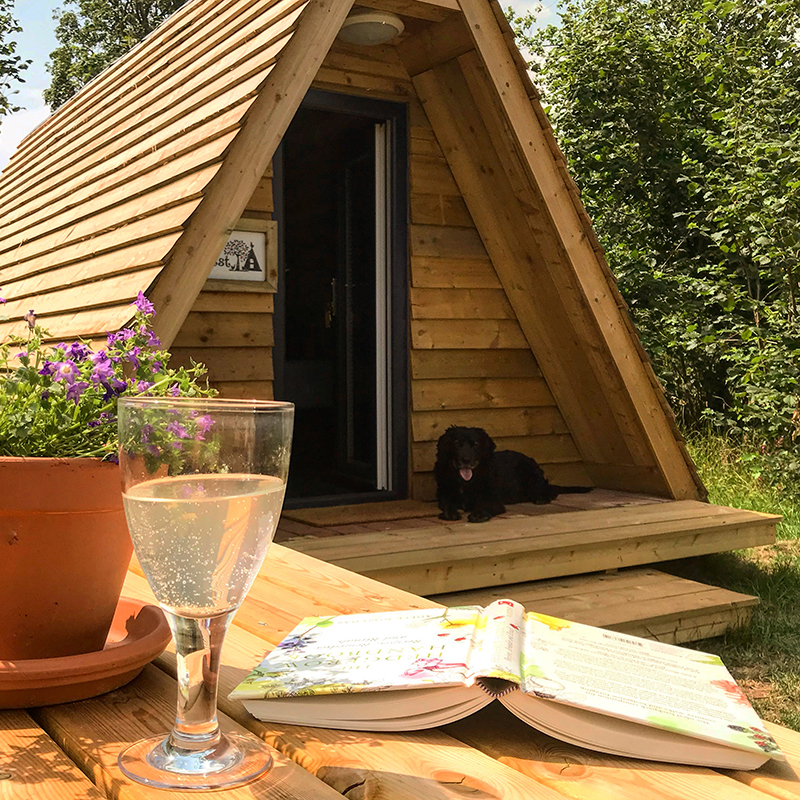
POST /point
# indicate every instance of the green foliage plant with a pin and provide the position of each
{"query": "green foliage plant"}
(94, 33)
(681, 124)
(12, 65)
(60, 401)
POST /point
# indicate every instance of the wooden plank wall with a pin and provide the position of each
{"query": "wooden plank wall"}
(229, 327)
(470, 362)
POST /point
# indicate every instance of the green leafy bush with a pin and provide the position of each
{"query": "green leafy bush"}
(681, 123)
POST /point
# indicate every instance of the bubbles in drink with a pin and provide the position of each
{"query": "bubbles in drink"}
(201, 539)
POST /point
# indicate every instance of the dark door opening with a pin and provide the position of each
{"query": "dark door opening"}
(336, 309)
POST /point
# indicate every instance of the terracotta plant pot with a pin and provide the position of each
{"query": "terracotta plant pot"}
(64, 552)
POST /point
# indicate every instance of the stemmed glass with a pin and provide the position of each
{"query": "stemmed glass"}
(203, 484)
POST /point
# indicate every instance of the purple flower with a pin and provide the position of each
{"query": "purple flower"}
(177, 445)
(174, 390)
(157, 367)
(30, 318)
(177, 429)
(113, 388)
(113, 458)
(143, 386)
(144, 305)
(133, 356)
(147, 431)
(203, 425)
(76, 389)
(103, 371)
(153, 449)
(48, 368)
(78, 351)
(152, 339)
(2, 300)
(119, 336)
(45, 394)
(66, 371)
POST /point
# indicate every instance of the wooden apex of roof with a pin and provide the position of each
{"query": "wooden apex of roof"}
(454, 557)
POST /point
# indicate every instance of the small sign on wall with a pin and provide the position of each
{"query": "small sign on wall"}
(250, 254)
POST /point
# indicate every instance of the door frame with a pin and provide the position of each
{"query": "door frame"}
(395, 114)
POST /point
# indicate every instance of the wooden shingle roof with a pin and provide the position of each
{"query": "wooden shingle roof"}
(118, 187)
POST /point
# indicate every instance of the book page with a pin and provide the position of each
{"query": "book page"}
(644, 681)
(497, 649)
(367, 652)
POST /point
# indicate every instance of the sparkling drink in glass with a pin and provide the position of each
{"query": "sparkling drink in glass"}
(203, 485)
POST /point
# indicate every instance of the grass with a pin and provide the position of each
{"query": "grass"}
(764, 656)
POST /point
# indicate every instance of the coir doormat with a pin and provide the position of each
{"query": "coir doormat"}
(363, 512)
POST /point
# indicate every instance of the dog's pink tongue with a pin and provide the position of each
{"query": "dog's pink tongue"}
(466, 473)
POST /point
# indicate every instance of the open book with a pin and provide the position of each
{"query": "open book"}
(409, 670)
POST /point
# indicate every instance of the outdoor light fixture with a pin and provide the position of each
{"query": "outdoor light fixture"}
(370, 27)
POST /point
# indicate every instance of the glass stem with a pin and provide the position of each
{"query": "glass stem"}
(198, 645)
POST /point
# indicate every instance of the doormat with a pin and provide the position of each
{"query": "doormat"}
(363, 512)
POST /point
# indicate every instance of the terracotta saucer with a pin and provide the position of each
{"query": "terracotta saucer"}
(138, 634)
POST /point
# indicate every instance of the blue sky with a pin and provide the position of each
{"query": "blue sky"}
(37, 41)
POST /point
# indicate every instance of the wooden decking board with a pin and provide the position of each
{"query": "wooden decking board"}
(599, 583)
(465, 556)
(715, 625)
(408, 514)
(573, 529)
(642, 602)
(445, 574)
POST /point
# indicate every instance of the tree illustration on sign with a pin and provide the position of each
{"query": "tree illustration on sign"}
(239, 256)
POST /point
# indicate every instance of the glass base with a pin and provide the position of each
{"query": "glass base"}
(235, 760)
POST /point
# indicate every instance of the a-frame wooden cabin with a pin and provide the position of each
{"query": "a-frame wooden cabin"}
(428, 263)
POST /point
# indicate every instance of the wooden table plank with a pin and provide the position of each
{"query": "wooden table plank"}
(431, 765)
(93, 732)
(774, 779)
(32, 767)
(586, 775)
(427, 765)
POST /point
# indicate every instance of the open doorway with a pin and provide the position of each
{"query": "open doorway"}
(340, 316)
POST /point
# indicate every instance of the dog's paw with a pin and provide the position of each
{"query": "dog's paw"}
(451, 516)
(476, 516)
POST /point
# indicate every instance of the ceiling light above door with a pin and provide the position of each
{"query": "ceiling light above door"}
(371, 27)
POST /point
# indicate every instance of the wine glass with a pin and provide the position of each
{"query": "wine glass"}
(203, 482)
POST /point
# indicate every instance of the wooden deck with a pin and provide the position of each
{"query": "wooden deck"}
(552, 558)
(453, 557)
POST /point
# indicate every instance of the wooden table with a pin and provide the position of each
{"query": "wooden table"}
(70, 751)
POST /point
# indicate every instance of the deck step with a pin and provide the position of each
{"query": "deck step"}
(454, 557)
(639, 601)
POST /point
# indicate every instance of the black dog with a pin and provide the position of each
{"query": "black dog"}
(470, 475)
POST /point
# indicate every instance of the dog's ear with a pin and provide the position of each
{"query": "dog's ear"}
(485, 442)
(447, 442)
